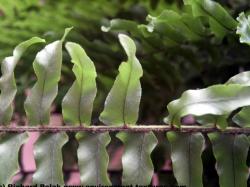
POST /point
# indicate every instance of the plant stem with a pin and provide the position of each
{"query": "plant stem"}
(134, 128)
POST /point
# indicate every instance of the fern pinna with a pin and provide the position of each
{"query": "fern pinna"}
(221, 111)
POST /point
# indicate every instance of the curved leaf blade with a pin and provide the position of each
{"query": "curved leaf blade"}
(241, 118)
(120, 25)
(122, 102)
(186, 150)
(221, 22)
(48, 156)
(7, 81)
(176, 27)
(137, 164)
(47, 67)
(77, 104)
(217, 100)
(10, 144)
(230, 152)
(93, 158)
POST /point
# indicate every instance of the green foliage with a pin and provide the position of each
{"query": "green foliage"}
(166, 33)
(136, 161)
(186, 150)
(78, 102)
(9, 148)
(242, 117)
(47, 67)
(230, 152)
(193, 46)
(243, 28)
(7, 81)
(122, 103)
(217, 100)
(49, 168)
(93, 158)
(219, 20)
(169, 68)
(177, 27)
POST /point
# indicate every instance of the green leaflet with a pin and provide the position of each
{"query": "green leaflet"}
(93, 158)
(242, 118)
(219, 20)
(186, 150)
(47, 66)
(172, 25)
(78, 102)
(194, 24)
(10, 144)
(217, 100)
(176, 27)
(230, 152)
(120, 24)
(7, 80)
(243, 28)
(137, 164)
(48, 156)
(122, 103)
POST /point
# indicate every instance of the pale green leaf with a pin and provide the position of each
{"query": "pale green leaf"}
(217, 100)
(186, 150)
(10, 144)
(77, 104)
(137, 164)
(243, 28)
(230, 152)
(47, 66)
(221, 22)
(122, 103)
(7, 80)
(48, 156)
(93, 158)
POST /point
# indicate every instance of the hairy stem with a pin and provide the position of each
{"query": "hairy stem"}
(135, 128)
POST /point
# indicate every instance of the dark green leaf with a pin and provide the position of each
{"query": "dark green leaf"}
(230, 152)
(186, 150)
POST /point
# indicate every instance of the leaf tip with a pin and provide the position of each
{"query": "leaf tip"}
(66, 32)
(128, 44)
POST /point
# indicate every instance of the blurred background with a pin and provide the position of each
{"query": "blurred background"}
(173, 61)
